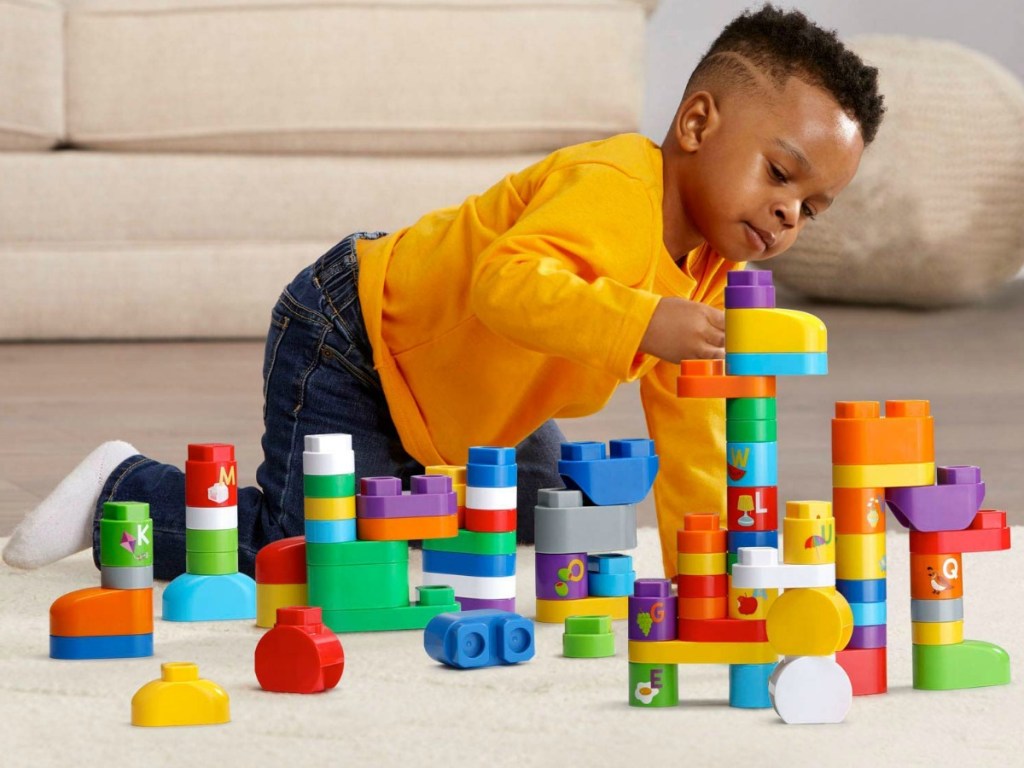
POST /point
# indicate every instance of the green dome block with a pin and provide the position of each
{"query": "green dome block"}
(970, 664)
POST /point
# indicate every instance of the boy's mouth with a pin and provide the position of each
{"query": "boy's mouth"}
(759, 238)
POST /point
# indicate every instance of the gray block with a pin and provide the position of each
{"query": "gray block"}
(937, 610)
(563, 524)
(126, 577)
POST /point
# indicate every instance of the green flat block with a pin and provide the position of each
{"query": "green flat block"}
(970, 664)
(126, 534)
(653, 685)
(474, 543)
(222, 540)
(749, 431)
(596, 646)
(358, 587)
(357, 553)
(434, 600)
(211, 563)
(328, 486)
(750, 408)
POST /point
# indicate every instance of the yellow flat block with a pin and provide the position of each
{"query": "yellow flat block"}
(883, 475)
(683, 652)
(340, 508)
(860, 556)
(700, 563)
(270, 597)
(556, 611)
(937, 632)
(774, 330)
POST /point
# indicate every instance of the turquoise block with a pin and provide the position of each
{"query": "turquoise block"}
(868, 614)
(610, 584)
(752, 464)
(191, 597)
(776, 363)
(748, 685)
(330, 531)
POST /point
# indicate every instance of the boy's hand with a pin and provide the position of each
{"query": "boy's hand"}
(684, 330)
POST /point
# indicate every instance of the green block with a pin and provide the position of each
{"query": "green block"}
(357, 553)
(211, 563)
(126, 511)
(358, 587)
(750, 408)
(970, 664)
(588, 637)
(126, 534)
(222, 540)
(745, 431)
(731, 558)
(653, 685)
(474, 543)
(328, 486)
(588, 625)
(385, 619)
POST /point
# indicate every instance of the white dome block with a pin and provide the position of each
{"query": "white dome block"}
(810, 690)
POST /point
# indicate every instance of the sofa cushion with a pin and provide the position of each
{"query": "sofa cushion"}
(337, 76)
(31, 74)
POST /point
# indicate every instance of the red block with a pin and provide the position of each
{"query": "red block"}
(282, 562)
(866, 668)
(702, 586)
(490, 520)
(300, 654)
(209, 464)
(987, 533)
(752, 509)
(723, 631)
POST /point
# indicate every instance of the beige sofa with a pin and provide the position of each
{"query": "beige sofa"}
(166, 166)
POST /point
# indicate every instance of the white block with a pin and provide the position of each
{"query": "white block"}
(339, 463)
(211, 518)
(759, 568)
(336, 443)
(810, 690)
(491, 498)
(479, 587)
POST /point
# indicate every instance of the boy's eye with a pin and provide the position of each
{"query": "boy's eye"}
(777, 173)
(808, 211)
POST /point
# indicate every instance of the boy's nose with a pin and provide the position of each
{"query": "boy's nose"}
(788, 214)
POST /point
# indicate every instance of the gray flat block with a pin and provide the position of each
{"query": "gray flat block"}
(130, 577)
(559, 497)
(585, 529)
(937, 610)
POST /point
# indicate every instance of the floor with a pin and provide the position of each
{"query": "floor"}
(57, 401)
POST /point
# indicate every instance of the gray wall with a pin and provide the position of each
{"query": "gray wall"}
(679, 31)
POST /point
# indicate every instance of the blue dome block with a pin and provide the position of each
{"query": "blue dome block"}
(101, 646)
(481, 638)
(486, 454)
(191, 597)
(607, 481)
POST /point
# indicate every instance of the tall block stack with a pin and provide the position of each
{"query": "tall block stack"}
(211, 588)
(281, 580)
(329, 489)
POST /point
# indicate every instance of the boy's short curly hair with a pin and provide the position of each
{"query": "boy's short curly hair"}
(782, 44)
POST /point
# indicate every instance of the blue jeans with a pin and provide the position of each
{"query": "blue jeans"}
(318, 377)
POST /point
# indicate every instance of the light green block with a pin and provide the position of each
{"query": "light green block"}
(222, 540)
(970, 664)
(653, 685)
(126, 534)
(211, 563)
(588, 637)
(475, 543)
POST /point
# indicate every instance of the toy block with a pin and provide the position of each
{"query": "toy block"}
(862, 590)
(406, 528)
(211, 475)
(988, 532)
(491, 475)
(588, 637)
(491, 455)
(192, 597)
(563, 524)
(211, 518)
(873, 636)
(653, 685)
(707, 379)
(882, 475)
(703, 564)
(936, 610)
(748, 685)
(329, 486)
(742, 431)
(750, 604)
(333, 463)
(937, 632)
(499, 499)
(970, 664)
(556, 611)
(478, 587)
(494, 604)
(950, 505)
(866, 668)
(270, 597)
(97, 611)
(80, 647)
(561, 576)
(126, 534)
(356, 587)
(809, 622)
(475, 543)
(682, 652)
(770, 330)
(469, 565)
(225, 540)
(458, 475)
(858, 510)
(475, 639)
(776, 363)
(759, 568)
(211, 563)
(611, 563)
(749, 289)
(808, 533)
(738, 539)
(357, 553)
(701, 534)
(336, 508)
(490, 520)
(180, 697)
(860, 556)
(860, 436)
(432, 601)
(721, 630)
(703, 608)
(652, 611)
(752, 508)
(624, 476)
(382, 498)
(112, 577)
(610, 584)
(701, 586)
(867, 614)
(335, 442)
(300, 654)
(936, 577)
(810, 690)
(752, 464)
(751, 409)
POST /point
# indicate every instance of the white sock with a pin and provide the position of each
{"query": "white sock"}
(63, 523)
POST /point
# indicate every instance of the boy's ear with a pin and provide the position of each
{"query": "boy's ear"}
(697, 116)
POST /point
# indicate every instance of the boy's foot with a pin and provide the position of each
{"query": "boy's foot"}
(63, 523)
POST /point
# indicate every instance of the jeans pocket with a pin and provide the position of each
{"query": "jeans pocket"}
(279, 323)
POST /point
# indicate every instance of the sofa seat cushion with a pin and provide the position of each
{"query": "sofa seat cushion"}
(31, 74)
(347, 76)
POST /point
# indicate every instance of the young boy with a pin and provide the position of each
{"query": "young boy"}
(481, 323)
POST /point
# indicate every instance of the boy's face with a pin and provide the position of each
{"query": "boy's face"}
(759, 167)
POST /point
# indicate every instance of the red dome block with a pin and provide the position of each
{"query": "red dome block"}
(300, 654)
(282, 562)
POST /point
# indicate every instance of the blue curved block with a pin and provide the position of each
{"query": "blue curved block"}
(862, 590)
(465, 564)
(776, 363)
(492, 475)
(481, 638)
(623, 477)
(192, 597)
(101, 646)
(748, 685)
(737, 539)
(330, 531)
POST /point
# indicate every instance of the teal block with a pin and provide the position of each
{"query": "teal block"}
(776, 363)
(191, 597)
(871, 614)
(748, 685)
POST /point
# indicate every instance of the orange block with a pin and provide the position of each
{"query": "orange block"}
(406, 528)
(936, 577)
(100, 611)
(702, 533)
(703, 607)
(858, 510)
(706, 378)
(861, 436)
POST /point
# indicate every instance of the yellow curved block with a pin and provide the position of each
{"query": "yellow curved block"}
(270, 597)
(557, 611)
(685, 652)
(338, 508)
(937, 632)
(774, 330)
(883, 475)
(809, 622)
(860, 556)
(700, 563)
(180, 697)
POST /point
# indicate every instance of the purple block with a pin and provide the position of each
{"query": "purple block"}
(950, 505)
(750, 289)
(380, 486)
(652, 610)
(562, 576)
(476, 603)
(872, 636)
(432, 496)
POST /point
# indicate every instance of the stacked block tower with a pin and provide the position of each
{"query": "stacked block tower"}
(114, 620)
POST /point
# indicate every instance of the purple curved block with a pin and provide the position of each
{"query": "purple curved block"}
(950, 505)
(652, 597)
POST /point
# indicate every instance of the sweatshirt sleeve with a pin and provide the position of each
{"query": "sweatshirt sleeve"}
(566, 278)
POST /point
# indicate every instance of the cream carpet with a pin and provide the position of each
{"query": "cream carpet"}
(394, 705)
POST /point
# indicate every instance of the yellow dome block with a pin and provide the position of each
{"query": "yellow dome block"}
(774, 330)
(180, 697)
(809, 622)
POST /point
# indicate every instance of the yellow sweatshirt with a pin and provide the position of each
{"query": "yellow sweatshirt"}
(528, 302)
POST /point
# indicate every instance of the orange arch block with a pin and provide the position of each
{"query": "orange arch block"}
(405, 528)
(707, 378)
(861, 436)
(100, 611)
